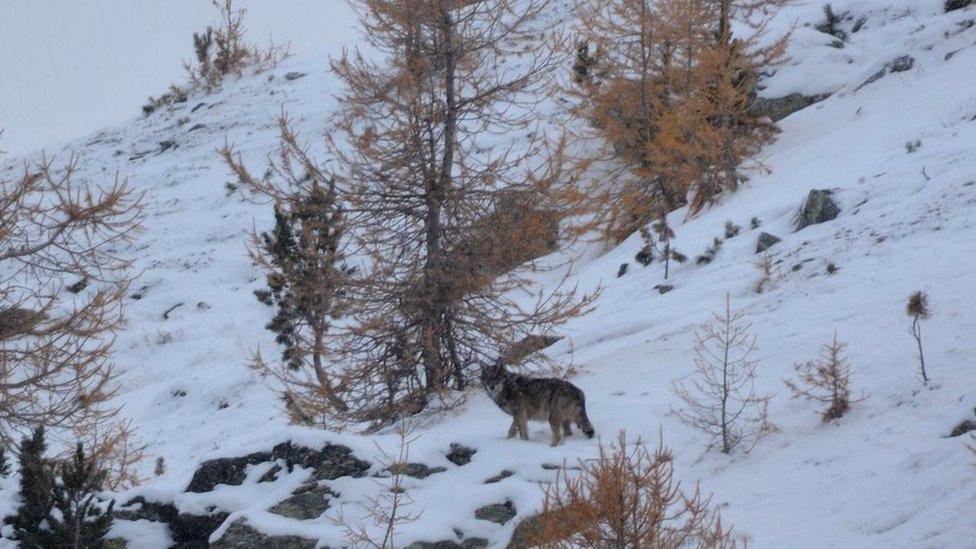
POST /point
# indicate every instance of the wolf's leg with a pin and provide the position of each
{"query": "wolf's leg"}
(523, 424)
(567, 430)
(514, 428)
(555, 425)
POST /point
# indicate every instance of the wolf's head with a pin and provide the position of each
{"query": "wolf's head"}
(492, 376)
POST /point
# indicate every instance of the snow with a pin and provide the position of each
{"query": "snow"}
(885, 475)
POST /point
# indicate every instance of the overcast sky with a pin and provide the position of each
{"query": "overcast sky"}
(71, 67)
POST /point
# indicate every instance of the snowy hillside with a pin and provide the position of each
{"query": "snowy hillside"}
(885, 475)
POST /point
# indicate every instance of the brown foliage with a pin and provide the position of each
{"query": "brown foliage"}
(918, 309)
(440, 207)
(827, 381)
(721, 400)
(627, 498)
(55, 345)
(668, 88)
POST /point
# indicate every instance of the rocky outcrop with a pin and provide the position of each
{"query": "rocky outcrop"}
(414, 470)
(306, 503)
(766, 241)
(819, 207)
(778, 108)
(460, 454)
(499, 513)
(241, 535)
(188, 531)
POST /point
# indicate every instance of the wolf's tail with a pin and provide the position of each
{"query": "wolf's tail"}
(583, 422)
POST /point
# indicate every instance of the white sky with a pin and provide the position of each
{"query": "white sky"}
(71, 67)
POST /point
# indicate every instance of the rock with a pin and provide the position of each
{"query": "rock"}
(964, 427)
(240, 535)
(197, 127)
(271, 475)
(902, 64)
(778, 108)
(188, 531)
(115, 543)
(818, 208)
(470, 543)
(329, 463)
(500, 476)
(167, 145)
(415, 470)
(663, 288)
(499, 513)
(524, 529)
(460, 454)
(622, 270)
(766, 241)
(294, 75)
(952, 5)
(306, 503)
(230, 471)
(78, 286)
(197, 107)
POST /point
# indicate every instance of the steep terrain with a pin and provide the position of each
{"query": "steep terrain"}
(885, 475)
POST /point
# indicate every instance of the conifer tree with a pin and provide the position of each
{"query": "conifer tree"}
(307, 278)
(80, 521)
(673, 98)
(443, 206)
(36, 486)
(4, 463)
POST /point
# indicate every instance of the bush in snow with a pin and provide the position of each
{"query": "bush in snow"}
(826, 380)
(918, 310)
(721, 399)
(659, 245)
(36, 486)
(731, 230)
(831, 22)
(82, 520)
(627, 497)
(769, 273)
(223, 50)
(710, 252)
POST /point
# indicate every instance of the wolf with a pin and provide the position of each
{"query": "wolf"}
(542, 399)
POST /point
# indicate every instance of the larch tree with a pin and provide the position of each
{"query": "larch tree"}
(61, 293)
(452, 187)
(667, 89)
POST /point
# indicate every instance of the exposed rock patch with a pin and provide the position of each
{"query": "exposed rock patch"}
(306, 503)
(415, 470)
(819, 207)
(766, 241)
(240, 535)
(778, 108)
(460, 454)
(499, 513)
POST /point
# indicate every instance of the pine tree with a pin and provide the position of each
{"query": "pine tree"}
(307, 278)
(36, 486)
(81, 522)
(4, 463)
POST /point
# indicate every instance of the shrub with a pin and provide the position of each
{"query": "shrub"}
(223, 50)
(625, 498)
(826, 380)
(831, 22)
(36, 486)
(82, 520)
(710, 252)
(918, 310)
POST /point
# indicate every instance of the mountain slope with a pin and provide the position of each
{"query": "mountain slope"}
(885, 475)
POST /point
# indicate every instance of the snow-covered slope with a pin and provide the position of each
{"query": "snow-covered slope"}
(885, 475)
